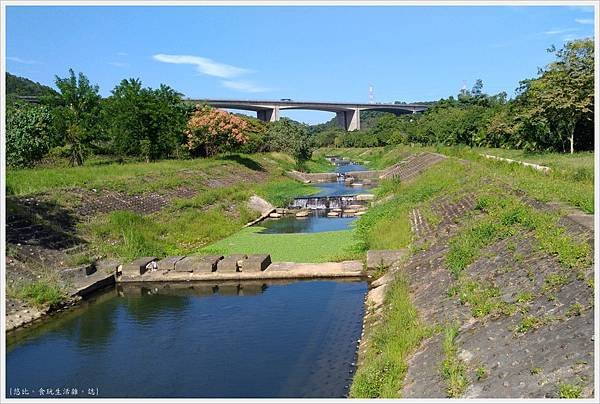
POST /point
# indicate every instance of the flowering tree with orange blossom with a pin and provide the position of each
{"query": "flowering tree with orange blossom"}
(211, 131)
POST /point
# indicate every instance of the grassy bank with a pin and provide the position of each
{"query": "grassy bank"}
(498, 215)
(571, 181)
(222, 184)
(383, 368)
(387, 225)
(187, 225)
(139, 177)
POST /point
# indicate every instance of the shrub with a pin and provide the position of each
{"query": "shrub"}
(28, 129)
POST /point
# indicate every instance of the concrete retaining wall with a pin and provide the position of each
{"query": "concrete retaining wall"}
(252, 267)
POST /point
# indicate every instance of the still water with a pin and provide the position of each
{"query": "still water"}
(196, 340)
(316, 222)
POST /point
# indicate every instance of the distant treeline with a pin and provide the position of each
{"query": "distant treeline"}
(553, 112)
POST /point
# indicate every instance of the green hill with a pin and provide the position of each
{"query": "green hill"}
(21, 86)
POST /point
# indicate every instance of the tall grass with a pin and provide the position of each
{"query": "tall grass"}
(384, 366)
(42, 293)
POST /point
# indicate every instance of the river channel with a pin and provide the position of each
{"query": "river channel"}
(330, 195)
(293, 339)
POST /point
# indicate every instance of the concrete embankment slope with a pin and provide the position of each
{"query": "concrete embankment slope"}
(547, 342)
(519, 319)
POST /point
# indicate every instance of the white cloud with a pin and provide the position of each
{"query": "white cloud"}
(119, 64)
(587, 21)
(122, 53)
(23, 61)
(559, 31)
(204, 65)
(585, 9)
(244, 86)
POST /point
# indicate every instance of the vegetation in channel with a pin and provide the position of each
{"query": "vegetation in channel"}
(381, 374)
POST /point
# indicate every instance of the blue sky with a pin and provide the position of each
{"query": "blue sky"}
(303, 53)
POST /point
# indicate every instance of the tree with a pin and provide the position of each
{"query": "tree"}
(211, 131)
(257, 136)
(477, 89)
(145, 122)
(389, 130)
(290, 137)
(77, 111)
(563, 94)
(28, 129)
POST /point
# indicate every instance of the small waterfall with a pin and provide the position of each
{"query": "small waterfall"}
(323, 202)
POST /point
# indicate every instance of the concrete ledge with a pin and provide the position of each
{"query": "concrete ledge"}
(364, 175)
(277, 270)
(93, 283)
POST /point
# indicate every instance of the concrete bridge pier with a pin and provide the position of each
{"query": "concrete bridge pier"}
(349, 119)
(268, 115)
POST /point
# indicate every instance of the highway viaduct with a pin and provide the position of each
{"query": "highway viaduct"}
(347, 114)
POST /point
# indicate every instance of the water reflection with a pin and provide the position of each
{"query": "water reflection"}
(188, 289)
(190, 340)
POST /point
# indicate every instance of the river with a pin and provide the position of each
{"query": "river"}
(293, 339)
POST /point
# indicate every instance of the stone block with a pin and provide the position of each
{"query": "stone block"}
(384, 258)
(256, 263)
(208, 263)
(187, 264)
(168, 264)
(230, 263)
(107, 266)
(137, 267)
(79, 272)
(196, 263)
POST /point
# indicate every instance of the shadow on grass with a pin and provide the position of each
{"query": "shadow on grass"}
(245, 161)
(41, 223)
